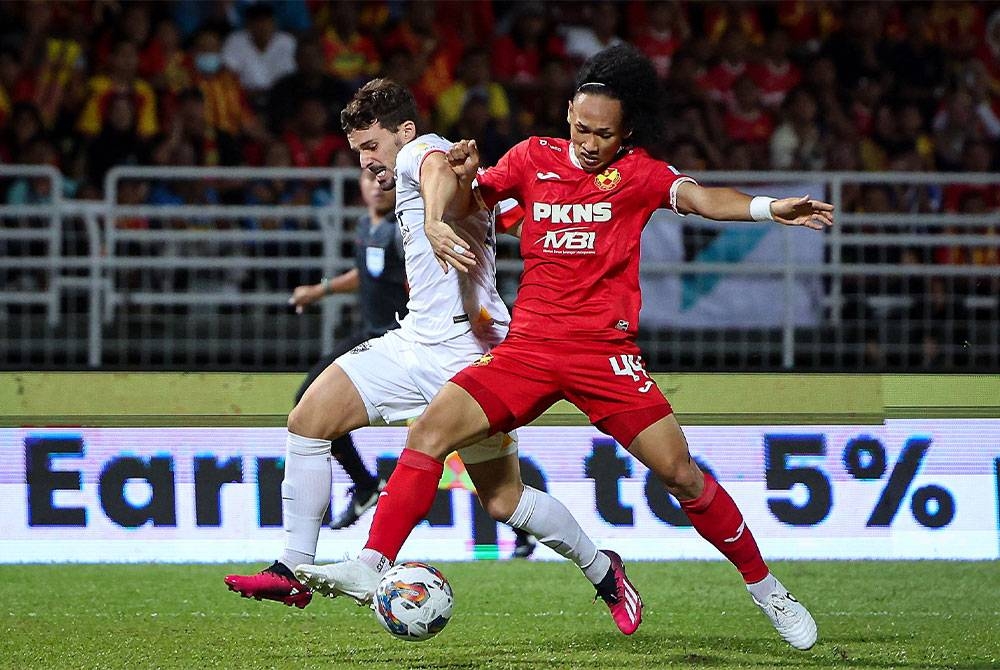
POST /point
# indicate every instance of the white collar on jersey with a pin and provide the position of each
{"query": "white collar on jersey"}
(576, 161)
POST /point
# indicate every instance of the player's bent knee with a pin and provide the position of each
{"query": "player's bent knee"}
(427, 438)
(304, 420)
(677, 473)
(500, 505)
(298, 421)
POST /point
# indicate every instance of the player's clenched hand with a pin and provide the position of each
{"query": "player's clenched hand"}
(303, 296)
(803, 211)
(463, 157)
(449, 248)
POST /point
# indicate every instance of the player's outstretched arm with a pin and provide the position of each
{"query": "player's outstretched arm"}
(307, 294)
(728, 204)
(439, 186)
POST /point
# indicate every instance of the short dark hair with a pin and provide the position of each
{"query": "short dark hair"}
(258, 11)
(380, 101)
(622, 73)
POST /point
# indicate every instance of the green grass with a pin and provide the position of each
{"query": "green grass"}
(508, 615)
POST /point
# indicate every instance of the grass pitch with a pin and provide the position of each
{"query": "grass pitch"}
(508, 615)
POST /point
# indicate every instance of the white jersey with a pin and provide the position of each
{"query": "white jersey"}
(445, 305)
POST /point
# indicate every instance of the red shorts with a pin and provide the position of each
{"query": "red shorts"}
(522, 378)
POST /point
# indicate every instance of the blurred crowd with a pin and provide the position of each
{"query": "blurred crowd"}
(791, 84)
(799, 85)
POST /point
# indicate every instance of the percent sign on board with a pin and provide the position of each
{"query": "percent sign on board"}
(787, 466)
(865, 459)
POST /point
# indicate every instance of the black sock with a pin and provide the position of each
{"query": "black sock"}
(280, 568)
(347, 455)
(608, 588)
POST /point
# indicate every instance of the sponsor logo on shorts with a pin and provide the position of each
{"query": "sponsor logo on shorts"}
(622, 325)
(484, 360)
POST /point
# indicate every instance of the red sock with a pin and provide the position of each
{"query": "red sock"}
(717, 519)
(405, 501)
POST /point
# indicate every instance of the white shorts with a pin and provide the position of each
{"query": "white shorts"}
(397, 378)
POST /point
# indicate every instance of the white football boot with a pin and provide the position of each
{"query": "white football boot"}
(350, 578)
(790, 617)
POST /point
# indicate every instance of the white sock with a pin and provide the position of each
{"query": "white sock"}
(374, 560)
(547, 519)
(305, 495)
(765, 587)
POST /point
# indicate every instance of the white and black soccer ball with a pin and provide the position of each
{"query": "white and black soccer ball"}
(413, 601)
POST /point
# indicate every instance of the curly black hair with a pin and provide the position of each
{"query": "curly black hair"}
(381, 101)
(622, 73)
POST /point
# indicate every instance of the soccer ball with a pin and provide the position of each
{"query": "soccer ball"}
(413, 601)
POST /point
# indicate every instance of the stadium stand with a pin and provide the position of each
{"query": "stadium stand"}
(115, 251)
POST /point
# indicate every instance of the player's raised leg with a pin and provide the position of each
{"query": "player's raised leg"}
(330, 407)
(498, 484)
(714, 514)
(364, 491)
(452, 420)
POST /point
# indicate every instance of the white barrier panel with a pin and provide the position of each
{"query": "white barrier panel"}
(907, 489)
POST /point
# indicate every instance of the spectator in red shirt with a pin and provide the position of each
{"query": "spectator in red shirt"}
(434, 51)
(747, 120)
(227, 107)
(774, 73)
(309, 139)
(350, 56)
(977, 156)
(661, 35)
(719, 80)
(959, 121)
(164, 63)
(122, 78)
(519, 55)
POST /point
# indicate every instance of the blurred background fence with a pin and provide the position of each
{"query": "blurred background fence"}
(117, 284)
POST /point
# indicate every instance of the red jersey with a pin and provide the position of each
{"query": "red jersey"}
(580, 237)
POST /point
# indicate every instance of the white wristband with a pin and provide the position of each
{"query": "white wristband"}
(760, 208)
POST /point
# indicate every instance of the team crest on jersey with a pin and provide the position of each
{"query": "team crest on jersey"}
(484, 360)
(608, 179)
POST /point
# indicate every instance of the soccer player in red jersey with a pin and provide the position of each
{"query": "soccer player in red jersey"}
(573, 332)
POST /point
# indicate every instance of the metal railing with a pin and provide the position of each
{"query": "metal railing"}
(183, 268)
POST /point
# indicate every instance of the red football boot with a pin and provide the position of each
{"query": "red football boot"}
(275, 582)
(621, 597)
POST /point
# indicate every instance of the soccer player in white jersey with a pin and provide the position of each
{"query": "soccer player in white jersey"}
(453, 320)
